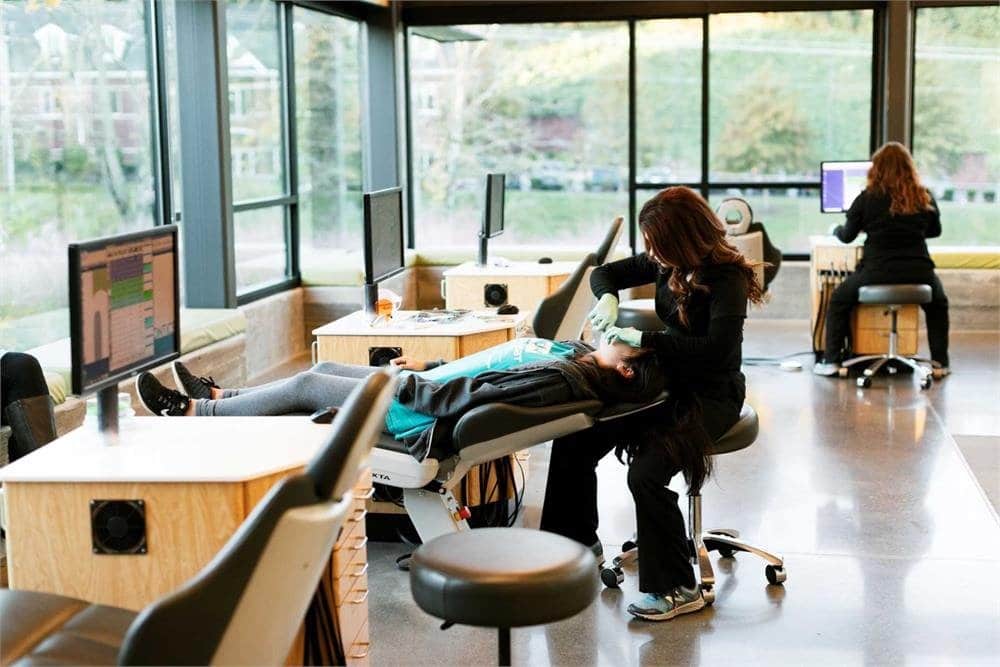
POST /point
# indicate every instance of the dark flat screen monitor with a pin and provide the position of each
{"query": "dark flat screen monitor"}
(124, 306)
(493, 213)
(841, 183)
(383, 220)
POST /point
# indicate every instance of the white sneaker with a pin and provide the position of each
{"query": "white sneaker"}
(826, 369)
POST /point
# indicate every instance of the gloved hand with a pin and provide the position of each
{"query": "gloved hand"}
(628, 335)
(605, 313)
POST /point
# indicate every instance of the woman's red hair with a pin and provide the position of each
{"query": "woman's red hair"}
(894, 175)
(682, 231)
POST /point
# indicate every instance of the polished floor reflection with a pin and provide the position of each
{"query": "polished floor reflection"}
(892, 550)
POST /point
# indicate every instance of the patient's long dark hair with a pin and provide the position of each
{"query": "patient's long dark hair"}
(676, 425)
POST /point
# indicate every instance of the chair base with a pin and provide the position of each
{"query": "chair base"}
(921, 367)
(724, 540)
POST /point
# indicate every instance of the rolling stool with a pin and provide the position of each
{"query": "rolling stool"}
(502, 578)
(892, 297)
(725, 541)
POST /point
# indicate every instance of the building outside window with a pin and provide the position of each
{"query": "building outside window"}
(70, 168)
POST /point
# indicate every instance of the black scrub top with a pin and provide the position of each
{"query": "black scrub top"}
(891, 238)
(703, 357)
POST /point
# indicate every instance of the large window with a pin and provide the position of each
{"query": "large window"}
(544, 103)
(956, 134)
(75, 149)
(257, 139)
(328, 140)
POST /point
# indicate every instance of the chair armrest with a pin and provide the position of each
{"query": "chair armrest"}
(495, 420)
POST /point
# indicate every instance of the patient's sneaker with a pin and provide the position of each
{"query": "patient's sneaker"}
(657, 607)
(160, 400)
(195, 387)
(826, 369)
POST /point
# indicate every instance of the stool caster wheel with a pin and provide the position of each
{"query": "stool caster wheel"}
(708, 595)
(926, 382)
(628, 545)
(775, 575)
(612, 577)
(864, 382)
(727, 553)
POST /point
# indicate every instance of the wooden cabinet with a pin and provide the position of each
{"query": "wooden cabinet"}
(526, 283)
(831, 262)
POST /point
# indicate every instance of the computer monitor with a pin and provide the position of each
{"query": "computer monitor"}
(492, 213)
(841, 183)
(383, 240)
(124, 307)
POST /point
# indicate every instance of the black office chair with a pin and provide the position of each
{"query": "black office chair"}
(246, 605)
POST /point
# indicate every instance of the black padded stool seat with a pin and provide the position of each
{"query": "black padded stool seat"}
(47, 629)
(503, 578)
(741, 435)
(639, 313)
(888, 295)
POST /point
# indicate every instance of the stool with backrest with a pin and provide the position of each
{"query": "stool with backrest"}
(502, 578)
(727, 542)
(247, 605)
(893, 297)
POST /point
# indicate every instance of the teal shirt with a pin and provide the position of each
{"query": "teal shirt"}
(402, 422)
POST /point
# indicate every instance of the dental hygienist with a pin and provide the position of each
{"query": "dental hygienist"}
(702, 288)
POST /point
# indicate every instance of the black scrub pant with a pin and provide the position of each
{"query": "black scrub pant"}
(570, 507)
(845, 298)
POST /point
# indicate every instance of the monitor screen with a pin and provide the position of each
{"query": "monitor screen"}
(124, 306)
(493, 218)
(840, 184)
(383, 234)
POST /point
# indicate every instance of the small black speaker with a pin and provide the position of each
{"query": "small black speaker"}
(381, 356)
(118, 526)
(495, 294)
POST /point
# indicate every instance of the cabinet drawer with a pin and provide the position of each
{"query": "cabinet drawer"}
(354, 524)
(356, 576)
(353, 611)
(354, 550)
(875, 317)
(357, 651)
(876, 341)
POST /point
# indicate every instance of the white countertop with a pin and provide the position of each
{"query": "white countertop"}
(511, 269)
(359, 324)
(174, 449)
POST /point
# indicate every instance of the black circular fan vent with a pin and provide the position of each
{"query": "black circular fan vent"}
(118, 526)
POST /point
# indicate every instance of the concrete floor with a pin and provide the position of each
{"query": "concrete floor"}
(891, 548)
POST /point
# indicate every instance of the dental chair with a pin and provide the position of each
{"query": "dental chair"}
(610, 241)
(246, 606)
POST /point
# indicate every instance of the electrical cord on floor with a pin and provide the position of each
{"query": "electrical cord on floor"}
(774, 361)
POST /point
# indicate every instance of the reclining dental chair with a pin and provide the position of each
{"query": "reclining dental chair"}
(246, 606)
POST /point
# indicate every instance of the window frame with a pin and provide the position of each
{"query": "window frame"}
(426, 14)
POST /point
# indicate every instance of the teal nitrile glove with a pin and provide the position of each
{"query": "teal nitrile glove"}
(628, 335)
(605, 313)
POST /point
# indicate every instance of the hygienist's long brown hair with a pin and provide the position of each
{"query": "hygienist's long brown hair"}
(683, 232)
(894, 175)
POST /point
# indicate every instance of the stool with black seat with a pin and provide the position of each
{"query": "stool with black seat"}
(893, 297)
(726, 541)
(502, 578)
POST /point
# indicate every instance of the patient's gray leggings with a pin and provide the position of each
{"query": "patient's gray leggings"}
(325, 384)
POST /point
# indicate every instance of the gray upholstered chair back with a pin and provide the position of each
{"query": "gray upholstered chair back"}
(562, 314)
(246, 605)
(610, 241)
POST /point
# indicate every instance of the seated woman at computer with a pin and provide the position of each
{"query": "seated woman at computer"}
(702, 288)
(899, 214)
(525, 371)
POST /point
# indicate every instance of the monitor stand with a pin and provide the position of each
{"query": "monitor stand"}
(484, 260)
(107, 409)
(370, 298)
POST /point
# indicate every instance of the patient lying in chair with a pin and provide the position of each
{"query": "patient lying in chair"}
(530, 372)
